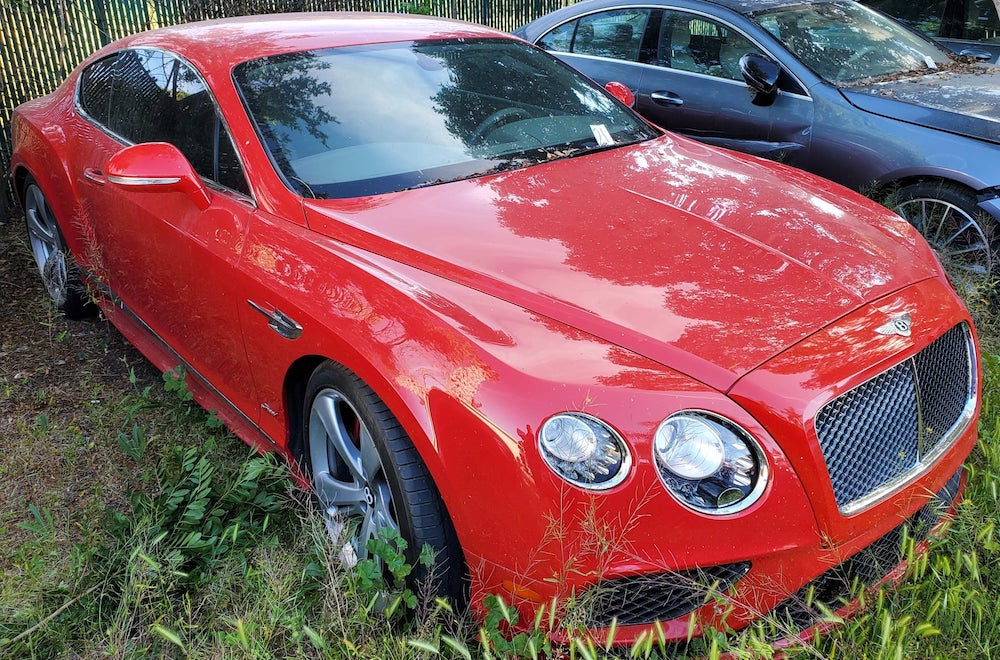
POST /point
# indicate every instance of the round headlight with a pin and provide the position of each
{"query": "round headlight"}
(709, 463)
(584, 451)
(689, 448)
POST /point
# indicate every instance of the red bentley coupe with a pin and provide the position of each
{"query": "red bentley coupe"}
(480, 301)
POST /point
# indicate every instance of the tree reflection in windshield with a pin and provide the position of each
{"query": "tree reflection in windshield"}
(365, 120)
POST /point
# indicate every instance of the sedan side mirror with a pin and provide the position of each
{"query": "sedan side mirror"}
(157, 167)
(981, 55)
(761, 75)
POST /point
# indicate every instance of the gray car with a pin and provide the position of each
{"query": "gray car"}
(830, 86)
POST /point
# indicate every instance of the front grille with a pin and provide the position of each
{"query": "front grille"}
(879, 433)
(837, 586)
(644, 599)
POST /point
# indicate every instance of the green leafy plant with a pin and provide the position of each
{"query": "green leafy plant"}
(495, 634)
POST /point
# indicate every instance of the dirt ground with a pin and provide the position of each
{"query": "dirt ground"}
(62, 388)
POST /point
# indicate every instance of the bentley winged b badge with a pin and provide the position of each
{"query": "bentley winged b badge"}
(899, 325)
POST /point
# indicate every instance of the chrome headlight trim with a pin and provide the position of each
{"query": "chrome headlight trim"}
(584, 450)
(679, 466)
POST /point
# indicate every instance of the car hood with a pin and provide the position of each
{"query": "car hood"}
(967, 103)
(709, 262)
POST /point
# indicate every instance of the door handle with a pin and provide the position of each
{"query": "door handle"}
(278, 321)
(95, 176)
(666, 98)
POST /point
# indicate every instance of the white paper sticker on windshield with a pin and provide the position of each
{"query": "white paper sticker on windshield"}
(602, 135)
(931, 64)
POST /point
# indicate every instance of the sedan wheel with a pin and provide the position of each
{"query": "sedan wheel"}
(51, 256)
(960, 233)
(368, 476)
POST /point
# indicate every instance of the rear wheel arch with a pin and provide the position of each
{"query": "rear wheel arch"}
(19, 175)
(57, 268)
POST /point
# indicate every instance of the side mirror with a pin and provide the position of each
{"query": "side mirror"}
(761, 75)
(981, 55)
(157, 167)
(621, 92)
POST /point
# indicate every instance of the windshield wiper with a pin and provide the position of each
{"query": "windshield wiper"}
(572, 150)
(501, 166)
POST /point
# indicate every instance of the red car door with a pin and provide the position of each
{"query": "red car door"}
(167, 261)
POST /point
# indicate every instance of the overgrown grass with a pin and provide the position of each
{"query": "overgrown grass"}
(161, 535)
(219, 557)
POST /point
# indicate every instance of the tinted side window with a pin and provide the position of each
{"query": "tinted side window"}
(616, 34)
(689, 42)
(230, 172)
(95, 88)
(559, 39)
(158, 98)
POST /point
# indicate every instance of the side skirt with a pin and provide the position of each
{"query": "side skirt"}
(165, 358)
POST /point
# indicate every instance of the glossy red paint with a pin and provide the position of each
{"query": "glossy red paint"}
(629, 284)
(156, 167)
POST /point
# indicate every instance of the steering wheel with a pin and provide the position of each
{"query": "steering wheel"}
(495, 120)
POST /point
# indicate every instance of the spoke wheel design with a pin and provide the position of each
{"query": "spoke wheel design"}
(55, 264)
(347, 474)
(46, 244)
(949, 219)
(368, 476)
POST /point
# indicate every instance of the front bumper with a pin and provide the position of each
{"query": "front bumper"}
(678, 606)
(803, 549)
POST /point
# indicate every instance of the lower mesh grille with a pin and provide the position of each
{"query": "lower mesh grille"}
(647, 598)
(834, 588)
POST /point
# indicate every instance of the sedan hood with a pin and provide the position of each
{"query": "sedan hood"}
(966, 103)
(706, 261)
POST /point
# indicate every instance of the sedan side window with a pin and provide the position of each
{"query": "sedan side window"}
(690, 42)
(616, 34)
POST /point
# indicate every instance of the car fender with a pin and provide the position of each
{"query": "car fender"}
(464, 365)
(939, 153)
(36, 152)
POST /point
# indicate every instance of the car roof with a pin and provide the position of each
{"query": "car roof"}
(752, 6)
(741, 6)
(227, 42)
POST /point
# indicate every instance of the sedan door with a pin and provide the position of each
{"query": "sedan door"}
(697, 89)
(684, 69)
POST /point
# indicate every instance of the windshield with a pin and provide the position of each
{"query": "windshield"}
(366, 120)
(845, 42)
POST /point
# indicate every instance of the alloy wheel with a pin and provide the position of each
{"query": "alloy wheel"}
(46, 244)
(348, 476)
(956, 236)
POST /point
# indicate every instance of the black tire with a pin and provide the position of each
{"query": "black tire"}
(59, 273)
(963, 235)
(362, 465)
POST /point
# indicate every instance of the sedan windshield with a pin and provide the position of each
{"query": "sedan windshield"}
(367, 120)
(846, 42)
